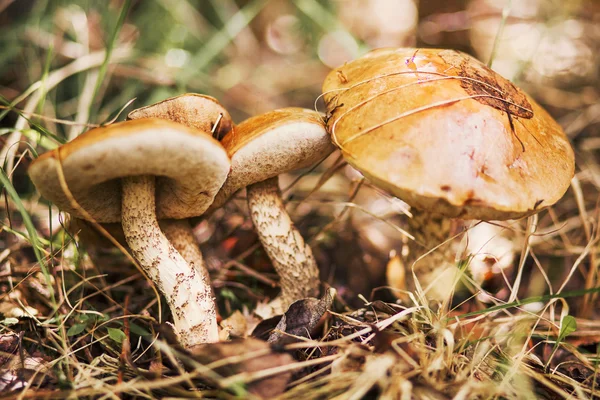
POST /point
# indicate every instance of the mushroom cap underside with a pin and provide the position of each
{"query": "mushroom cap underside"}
(190, 167)
(443, 132)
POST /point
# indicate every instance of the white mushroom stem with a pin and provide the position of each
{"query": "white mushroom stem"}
(179, 233)
(291, 257)
(187, 292)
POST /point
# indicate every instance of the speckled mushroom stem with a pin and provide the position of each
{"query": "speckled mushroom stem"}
(187, 291)
(292, 258)
(179, 233)
(437, 270)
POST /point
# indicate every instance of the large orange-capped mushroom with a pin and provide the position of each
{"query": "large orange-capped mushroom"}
(448, 135)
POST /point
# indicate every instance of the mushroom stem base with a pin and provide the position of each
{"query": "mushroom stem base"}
(188, 292)
(292, 258)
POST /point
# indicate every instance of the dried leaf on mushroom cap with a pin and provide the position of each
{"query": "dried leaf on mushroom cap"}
(443, 132)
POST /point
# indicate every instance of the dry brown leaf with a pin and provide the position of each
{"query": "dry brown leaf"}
(12, 306)
(301, 318)
(236, 325)
(18, 369)
(266, 358)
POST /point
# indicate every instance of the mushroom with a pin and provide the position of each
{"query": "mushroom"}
(450, 137)
(192, 110)
(206, 114)
(135, 172)
(261, 148)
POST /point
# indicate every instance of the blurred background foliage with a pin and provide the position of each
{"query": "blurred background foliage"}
(262, 54)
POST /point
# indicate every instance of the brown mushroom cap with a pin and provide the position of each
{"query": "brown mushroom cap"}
(270, 144)
(443, 132)
(194, 110)
(190, 167)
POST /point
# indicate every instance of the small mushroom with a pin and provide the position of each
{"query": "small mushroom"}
(135, 172)
(192, 110)
(450, 137)
(261, 148)
(206, 114)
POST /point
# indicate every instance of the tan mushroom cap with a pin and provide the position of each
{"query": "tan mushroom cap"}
(443, 132)
(273, 143)
(194, 110)
(190, 167)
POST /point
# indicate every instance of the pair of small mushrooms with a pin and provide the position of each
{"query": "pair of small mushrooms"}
(261, 148)
(169, 169)
(436, 128)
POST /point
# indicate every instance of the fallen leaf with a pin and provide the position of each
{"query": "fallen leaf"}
(265, 327)
(117, 335)
(301, 318)
(260, 356)
(13, 306)
(8, 346)
(19, 369)
(268, 310)
(235, 325)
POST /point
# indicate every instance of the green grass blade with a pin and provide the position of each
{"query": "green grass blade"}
(221, 39)
(41, 241)
(35, 126)
(500, 32)
(33, 236)
(109, 49)
(45, 72)
(529, 300)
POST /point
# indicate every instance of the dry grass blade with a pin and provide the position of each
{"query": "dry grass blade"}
(412, 112)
